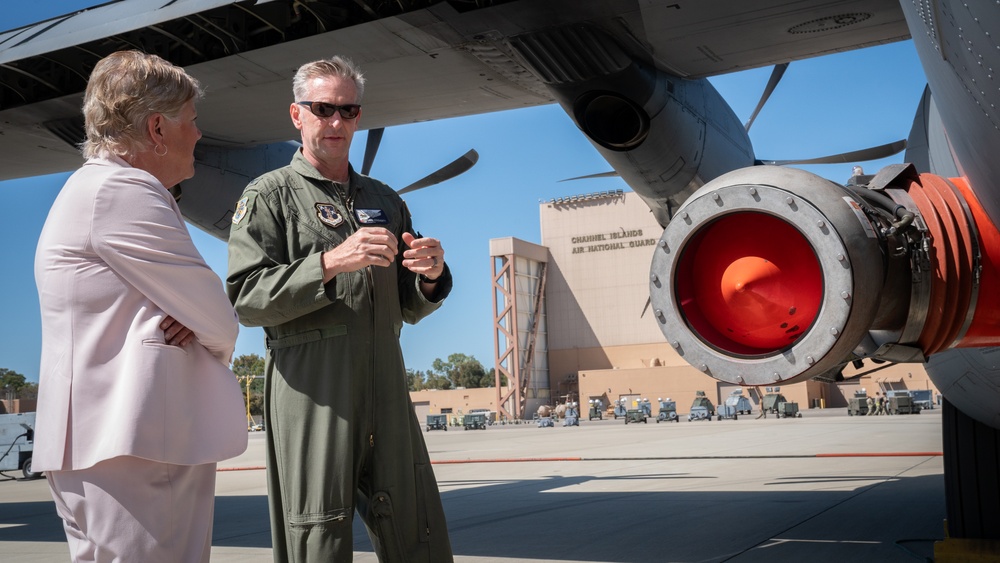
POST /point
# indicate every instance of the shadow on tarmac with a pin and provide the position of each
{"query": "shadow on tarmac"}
(558, 518)
(897, 519)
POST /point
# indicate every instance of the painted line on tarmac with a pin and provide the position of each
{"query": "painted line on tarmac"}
(886, 454)
(509, 460)
(653, 458)
(687, 457)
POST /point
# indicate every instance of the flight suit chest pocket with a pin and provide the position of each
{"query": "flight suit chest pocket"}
(374, 211)
(318, 227)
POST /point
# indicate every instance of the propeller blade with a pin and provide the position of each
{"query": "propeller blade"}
(456, 167)
(772, 83)
(371, 147)
(872, 153)
(609, 174)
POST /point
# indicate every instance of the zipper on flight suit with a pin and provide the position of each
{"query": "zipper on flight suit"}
(369, 278)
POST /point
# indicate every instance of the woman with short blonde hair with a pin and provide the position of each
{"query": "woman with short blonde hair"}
(136, 402)
(123, 91)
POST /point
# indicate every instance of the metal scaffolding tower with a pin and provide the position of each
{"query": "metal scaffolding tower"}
(519, 337)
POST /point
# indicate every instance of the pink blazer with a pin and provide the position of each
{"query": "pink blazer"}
(113, 260)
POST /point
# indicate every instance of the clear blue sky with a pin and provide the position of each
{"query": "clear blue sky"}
(823, 106)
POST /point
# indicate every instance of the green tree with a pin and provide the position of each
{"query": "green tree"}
(29, 391)
(250, 367)
(414, 379)
(11, 383)
(248, 364)
(493, 377)
(463, 371)
(436, 381)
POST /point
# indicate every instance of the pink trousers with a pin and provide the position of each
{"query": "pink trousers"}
(129, 509)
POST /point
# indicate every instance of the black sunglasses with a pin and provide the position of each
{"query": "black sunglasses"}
(324, 110)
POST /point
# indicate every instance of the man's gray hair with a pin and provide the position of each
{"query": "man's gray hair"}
(334, 66)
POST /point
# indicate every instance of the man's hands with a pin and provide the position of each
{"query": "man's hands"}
(369, 246)
(425, 256)
(376, 246)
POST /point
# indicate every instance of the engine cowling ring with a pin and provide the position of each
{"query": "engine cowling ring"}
(846, 249)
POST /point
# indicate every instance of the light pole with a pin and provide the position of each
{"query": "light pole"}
(248, 379)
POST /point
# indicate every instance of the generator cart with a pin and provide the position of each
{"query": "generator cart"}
(572, 416)
(475, 421)
(922, 398)
(726, 411)
(770, 401)
(858, 405)
(17, 441)
(668, 411)
(736, 404)
(701, 408)
(739, 403)
(544, 421)
(620, 409)
(596, 410)
(788, 410)
(900, 402)
(437, 422)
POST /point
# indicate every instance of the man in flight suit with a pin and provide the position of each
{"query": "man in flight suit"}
(325, 259)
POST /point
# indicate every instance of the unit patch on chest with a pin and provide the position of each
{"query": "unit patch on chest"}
(329, 215)
(371, 217)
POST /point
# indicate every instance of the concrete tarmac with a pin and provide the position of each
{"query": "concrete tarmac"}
(824, 487)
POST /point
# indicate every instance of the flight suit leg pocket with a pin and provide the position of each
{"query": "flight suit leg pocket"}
(311, 533)
(389, 544)
(432, 530)
(425, 482)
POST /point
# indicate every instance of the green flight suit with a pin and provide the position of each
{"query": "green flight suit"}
(341, 431)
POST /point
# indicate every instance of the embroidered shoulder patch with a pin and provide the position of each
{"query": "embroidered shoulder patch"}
(241, 210)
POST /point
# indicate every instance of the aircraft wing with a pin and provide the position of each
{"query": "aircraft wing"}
(424, 60)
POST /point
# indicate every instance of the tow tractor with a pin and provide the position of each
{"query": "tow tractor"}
(641, 413)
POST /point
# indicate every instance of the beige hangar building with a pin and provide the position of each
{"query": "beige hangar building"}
(571, 323)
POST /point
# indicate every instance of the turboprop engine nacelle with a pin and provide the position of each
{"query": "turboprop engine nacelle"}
(774, 275)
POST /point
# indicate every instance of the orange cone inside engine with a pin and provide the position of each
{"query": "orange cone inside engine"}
(749, 283)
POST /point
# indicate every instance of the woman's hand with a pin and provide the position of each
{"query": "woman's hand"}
(174, 333)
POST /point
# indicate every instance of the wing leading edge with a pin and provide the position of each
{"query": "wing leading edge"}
(425, 59)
